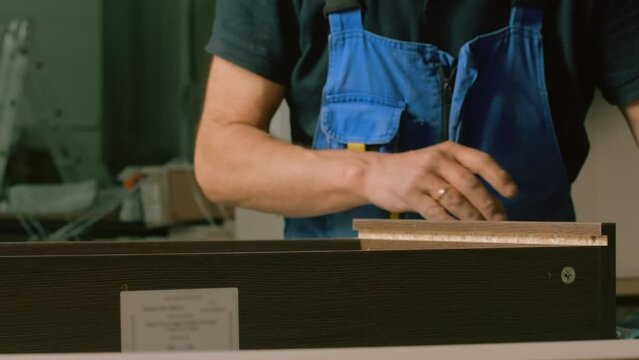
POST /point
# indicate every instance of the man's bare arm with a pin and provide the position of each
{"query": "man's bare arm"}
(239, 163)
(631, 112)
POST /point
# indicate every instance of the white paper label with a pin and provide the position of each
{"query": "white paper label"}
(179, 320)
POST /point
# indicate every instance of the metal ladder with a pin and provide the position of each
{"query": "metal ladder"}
(14, 65)
(14, 60)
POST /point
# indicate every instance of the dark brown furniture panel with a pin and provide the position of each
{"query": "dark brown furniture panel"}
(312, 294)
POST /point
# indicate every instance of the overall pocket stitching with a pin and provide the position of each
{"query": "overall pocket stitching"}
(329, 118)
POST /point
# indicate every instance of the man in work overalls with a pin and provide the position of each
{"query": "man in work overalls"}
(437, 109)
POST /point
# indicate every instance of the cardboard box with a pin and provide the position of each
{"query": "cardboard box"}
(171, 196)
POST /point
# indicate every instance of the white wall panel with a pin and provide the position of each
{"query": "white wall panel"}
(607, 190)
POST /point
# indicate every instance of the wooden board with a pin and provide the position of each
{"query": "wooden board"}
(479, 234)
(313, 298)
(171, 247)
(507, 227)
(406, 244)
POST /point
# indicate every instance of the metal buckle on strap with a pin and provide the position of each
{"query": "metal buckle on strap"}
(356, 147)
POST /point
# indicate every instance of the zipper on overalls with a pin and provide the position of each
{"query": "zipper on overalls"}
(448, 85)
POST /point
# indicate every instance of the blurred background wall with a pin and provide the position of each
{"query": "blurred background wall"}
(154, 75)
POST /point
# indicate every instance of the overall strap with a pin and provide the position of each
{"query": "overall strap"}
(528, 13)
(344, 15)
(333, 6)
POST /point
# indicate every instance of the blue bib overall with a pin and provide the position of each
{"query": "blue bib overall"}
(394, 96)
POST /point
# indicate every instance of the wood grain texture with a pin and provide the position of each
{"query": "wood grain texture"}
(311, 299)
(376, 245)
(478, 234)
(171, 247)
(608, 275)
(505, 227)
(495, 239)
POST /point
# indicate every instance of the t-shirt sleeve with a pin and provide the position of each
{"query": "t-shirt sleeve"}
(618, 42)
(258, 35)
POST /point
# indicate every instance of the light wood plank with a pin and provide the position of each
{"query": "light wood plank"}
(442, 235)
(495, 239)
(381, 245)
(507, 227)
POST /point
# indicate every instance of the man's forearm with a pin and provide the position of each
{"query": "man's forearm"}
(237, 162)
(259, 172)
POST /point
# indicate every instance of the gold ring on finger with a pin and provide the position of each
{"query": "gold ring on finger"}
(441, 192)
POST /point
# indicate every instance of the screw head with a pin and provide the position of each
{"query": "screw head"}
(568, 275)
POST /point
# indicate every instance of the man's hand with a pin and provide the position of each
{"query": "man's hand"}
(437, 182)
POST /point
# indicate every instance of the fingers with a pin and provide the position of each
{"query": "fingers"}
(440, 182)
(429, 209)
(458, 205)
(484, 165)
(468, 186)
(455, 202)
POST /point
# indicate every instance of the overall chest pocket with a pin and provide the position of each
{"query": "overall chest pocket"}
(365, 121)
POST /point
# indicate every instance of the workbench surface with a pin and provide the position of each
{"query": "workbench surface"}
(581, 350)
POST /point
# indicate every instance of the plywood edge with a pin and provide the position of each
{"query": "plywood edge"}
(485, 238)
(392, 245)
(504, 227)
